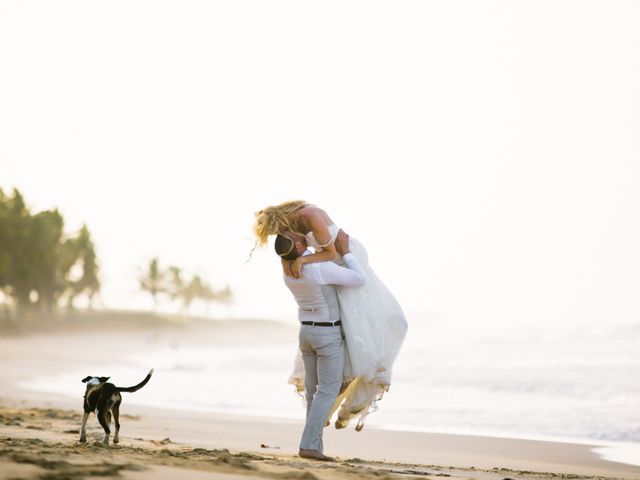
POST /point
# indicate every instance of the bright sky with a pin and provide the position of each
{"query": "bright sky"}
(486, 153)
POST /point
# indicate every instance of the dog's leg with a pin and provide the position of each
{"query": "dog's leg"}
(108, 419)
(103, 422)
(116, 418)
(83, 429)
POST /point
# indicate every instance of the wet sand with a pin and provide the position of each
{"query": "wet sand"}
(38, 443)
(39, 434)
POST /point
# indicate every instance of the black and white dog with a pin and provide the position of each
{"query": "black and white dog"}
(104, 398)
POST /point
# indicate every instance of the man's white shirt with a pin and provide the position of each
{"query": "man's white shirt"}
(316, 293)
(329, 273)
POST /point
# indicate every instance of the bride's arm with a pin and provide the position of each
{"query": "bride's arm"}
(323, 236)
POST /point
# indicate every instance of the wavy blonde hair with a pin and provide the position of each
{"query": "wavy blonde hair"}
(272, 220)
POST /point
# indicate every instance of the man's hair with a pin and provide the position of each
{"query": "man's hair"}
(285, 248)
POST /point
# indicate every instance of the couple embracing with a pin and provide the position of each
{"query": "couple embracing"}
(351, 326)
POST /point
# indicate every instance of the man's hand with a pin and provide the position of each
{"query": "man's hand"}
(342, 243)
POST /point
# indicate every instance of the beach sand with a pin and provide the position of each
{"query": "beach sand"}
(39, 432)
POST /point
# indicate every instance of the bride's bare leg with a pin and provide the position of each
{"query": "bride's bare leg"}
(344, 391)
(358, 401)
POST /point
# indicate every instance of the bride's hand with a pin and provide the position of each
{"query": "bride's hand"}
(286, 266)
(296, 267)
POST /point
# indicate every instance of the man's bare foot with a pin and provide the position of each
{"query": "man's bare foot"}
(315, 454)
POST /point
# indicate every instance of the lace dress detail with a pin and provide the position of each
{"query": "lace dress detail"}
(374, 327)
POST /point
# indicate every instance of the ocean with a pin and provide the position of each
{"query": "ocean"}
(562, 383)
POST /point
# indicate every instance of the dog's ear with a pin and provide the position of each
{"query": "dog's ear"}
(86, 379)
(103, 379)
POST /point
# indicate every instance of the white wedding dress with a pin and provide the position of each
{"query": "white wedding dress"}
(374, 327)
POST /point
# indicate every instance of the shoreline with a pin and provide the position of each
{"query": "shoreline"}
(404, 451)
(237, 433)
(626, 453)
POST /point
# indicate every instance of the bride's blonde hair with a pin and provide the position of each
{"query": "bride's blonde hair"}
(272, 220)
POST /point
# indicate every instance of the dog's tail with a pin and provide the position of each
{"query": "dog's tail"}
(137, 387)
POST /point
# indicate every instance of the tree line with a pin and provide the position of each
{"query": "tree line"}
(172, 284)
(43, 266)
(40, 264)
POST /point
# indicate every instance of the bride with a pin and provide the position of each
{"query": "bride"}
(372, 320)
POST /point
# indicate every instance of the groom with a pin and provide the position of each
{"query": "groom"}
(321, 339)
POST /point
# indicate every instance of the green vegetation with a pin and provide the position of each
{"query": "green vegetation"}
(172, 284)
(40, 264)
(42, 267)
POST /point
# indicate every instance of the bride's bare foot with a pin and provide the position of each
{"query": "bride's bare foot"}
(315, 454)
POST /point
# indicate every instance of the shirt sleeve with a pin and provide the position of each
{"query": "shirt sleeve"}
(328, 273)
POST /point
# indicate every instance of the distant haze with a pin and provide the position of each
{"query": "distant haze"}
(486, 153)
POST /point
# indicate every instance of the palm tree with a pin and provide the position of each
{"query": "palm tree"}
(152, 280)
(79, 253)
(90, 282)
(15, 226)
(36, 259)
(225, 295)
(44, 245)
(175, 282)
(4, 250)
(209, 295)
(191, 291)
